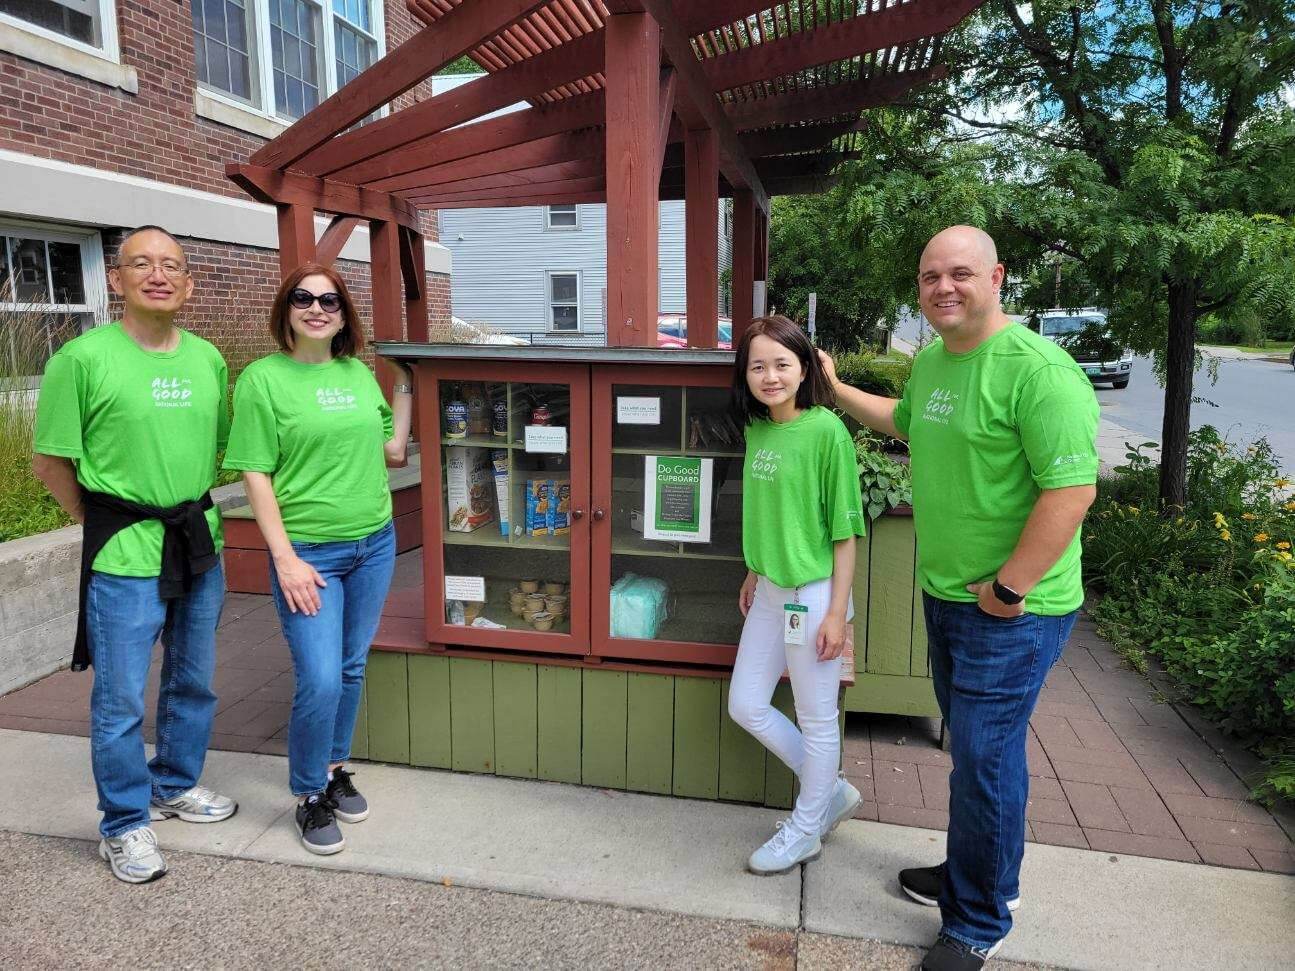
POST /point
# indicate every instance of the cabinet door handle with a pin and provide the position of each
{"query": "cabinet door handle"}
(598, 515)
(577, 514)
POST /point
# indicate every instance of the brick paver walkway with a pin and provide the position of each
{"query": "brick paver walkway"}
(1112, 767)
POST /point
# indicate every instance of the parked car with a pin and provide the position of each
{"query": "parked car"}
(672, 331)
(1087, 337)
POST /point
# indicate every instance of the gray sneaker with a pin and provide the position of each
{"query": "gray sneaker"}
(196, 805)
(318, 826)
(845, 799)
(351, 806)
(133, 856)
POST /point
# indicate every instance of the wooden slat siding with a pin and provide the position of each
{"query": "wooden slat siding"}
(829, 101)
(780, 781)
(919, 663)
(696, 737)
(458, 32)
(360, 738)
(890, 600)
(430, 713)
(893, 695)
(516, 720)
(558, 722)
(472, 715)
(834, 42)
(861, 591)
(649, 733)
(603, 729)
(470, 101)
(701, 178)
(741, 758)
(334, 239)
(520, 160)
(388, 694)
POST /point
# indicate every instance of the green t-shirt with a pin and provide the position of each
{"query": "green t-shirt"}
(800, 494)
(140, 425)
(988, 431)
(318, 431)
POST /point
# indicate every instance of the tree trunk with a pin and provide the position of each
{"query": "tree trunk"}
(1180, 354)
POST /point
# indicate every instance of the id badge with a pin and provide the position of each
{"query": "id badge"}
(795, 618)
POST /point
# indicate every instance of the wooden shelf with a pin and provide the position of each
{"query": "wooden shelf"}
(488, 535)
(478, 441)
(688, 452)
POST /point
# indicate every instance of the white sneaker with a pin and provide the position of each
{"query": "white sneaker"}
(845, 800)
(196, 805)
(133, 856)
(788, 847)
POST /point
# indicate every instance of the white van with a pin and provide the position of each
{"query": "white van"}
(1085, 334)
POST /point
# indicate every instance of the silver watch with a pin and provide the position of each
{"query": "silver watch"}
(402, 389)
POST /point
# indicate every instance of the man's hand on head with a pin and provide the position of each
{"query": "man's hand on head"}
(829, 366)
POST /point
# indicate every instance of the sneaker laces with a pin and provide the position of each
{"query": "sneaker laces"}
(341, 782)
(319, 811)
(783, 837)
(139, 843)
(199, 794)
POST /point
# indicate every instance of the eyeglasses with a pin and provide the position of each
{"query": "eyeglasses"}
(170, 268)
(329, 303)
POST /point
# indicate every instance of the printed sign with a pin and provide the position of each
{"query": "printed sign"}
(550, 439)
(465, 588)
(638, 411)
(676, 501)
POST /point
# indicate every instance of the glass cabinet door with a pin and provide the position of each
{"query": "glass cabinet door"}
(511, 567)
(667, 488)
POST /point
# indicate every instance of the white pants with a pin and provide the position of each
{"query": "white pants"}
(813, 751)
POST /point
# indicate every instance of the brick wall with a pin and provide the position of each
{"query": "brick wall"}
(155, 134)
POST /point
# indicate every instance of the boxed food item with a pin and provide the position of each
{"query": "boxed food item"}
(499, 458)
(638, 607)
(469, 481)
(537, 507)
(560, 493)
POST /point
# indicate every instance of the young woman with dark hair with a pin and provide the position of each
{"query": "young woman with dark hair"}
(313, 436)
(801, 512)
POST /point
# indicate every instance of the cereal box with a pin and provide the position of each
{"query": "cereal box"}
(469, 484)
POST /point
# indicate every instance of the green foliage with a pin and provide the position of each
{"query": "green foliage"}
(886, 483)
(462, 65)
(863, 369)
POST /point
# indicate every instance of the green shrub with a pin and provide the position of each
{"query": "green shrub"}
(866, 371)
(886, 483)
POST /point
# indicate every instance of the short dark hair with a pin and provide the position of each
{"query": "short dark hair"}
(347, 342)
(814, 390)
(149, 228)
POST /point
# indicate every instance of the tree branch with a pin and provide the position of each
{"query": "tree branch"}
(1172, 63)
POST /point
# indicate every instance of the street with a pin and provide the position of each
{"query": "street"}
(1252, 398)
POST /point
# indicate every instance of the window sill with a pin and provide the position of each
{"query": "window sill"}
(223, 112)
(56, 54)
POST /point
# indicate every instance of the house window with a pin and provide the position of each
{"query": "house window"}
(51, 289)
(564, 301)
(294, 41)
(88, 24)
(561, 217)
(354, 46)
(223, 46)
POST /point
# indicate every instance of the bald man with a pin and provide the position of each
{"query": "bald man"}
(1002, 428)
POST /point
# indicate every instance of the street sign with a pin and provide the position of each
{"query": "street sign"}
(813, 312)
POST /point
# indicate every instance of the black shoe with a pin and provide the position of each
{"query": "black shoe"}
(924, 884)
(952, 955)
(318, 827)
(350, 806)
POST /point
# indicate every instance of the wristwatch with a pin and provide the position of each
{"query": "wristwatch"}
(402, 389)
(1006, 594)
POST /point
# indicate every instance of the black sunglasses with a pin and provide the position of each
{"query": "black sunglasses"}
(330, 303)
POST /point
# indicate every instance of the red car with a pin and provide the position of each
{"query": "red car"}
(672, 331)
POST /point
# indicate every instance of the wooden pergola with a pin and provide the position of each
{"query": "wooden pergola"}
(630, 102)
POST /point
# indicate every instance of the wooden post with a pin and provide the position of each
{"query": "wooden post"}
(743, 261)
(413, 268)
(388, 294)
(296, 237)
(701, 215)
(761, 261)
(633, 178)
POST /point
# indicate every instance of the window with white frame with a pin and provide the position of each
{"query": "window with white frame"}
(91, 23)
(283, 57)
(51, 289)
(564, 301)
(561, 217)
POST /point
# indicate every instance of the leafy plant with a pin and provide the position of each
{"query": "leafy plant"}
(886, 483)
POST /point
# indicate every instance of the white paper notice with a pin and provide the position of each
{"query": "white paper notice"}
(465, 588)
(546, 438)
(638, 411)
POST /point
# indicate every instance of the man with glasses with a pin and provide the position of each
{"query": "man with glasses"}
(129, 421)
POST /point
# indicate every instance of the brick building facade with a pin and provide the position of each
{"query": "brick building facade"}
(116, 113)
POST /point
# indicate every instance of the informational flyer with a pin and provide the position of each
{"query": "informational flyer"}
(676, 501)
(638, 411)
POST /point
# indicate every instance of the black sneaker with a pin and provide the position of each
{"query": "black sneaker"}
(351, 807)
(952, 955)
(318, 827)
(924, 884)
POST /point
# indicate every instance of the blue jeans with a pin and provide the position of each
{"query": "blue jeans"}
(988, 673)
(125, 617)
(330, 650)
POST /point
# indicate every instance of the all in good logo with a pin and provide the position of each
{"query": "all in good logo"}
(172, 392)
(939, 407)
(335, 399)
(764, 464)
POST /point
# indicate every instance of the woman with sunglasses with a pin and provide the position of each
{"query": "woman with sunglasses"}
(313, 437)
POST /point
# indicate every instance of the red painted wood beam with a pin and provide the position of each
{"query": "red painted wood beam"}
(744, 210)
(388, 294)
(488, 196)
(791, 166)
(556, 199)
(458, 32)
(559, 172)
(697, 18)
(296, 237)
(665, 107)
(335, 236)
(490, 92)
(836, 41)
(805, 138)
(824, 102)
(697, 95)
(633, 176)
(274, 186)
(566, 147)
(478, 138)
(413, 273)
(701, 237)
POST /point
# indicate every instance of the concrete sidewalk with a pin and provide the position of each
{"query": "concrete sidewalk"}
(1081, 909)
